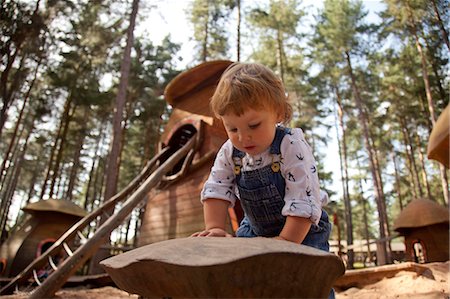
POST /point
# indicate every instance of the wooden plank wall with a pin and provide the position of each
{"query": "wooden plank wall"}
(176, 211)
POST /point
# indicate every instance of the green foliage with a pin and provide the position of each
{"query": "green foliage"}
(152, 69)
(209, 19)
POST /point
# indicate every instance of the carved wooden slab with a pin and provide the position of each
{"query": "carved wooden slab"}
(438, 142)
(225, 267)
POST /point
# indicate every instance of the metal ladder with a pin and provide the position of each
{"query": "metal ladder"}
(139, 188)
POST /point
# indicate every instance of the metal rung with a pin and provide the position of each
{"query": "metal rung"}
(36, 277)
(67, 249)
(52, 264)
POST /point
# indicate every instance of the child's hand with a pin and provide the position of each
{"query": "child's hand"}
(213, 232)
(279, 238)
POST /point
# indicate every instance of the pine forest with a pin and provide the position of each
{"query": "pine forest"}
(82, 97)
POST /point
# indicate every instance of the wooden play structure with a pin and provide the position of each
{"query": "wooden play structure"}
(425, 226)
(439, 142)
(44, 222)
(170, 185)
(175, 210)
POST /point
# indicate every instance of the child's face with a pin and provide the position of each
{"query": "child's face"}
(253, 131)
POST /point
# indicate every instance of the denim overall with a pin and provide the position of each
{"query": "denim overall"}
(261, 193)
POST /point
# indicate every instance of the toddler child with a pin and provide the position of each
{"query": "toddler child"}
(268, 167)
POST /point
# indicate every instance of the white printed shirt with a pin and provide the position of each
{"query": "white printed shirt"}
(303, 197)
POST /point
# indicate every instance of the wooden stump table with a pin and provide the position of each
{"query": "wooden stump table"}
(225, 268)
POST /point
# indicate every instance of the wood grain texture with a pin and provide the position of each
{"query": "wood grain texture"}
(225, 267)
(438, 142)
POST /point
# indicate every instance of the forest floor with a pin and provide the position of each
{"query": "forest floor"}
(432, 284)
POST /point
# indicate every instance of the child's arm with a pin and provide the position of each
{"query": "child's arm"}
(215, 213)
(295, 229)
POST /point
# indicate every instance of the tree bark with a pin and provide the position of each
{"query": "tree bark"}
(342, 145)
(54, 147)
(441, 24)
(76, 157)
(422, 167)
(205, 39)
(12, 186)
(4, 88)
(18, 122)
(280, 54)
(381, 186)
(92, 174)
(417, 188)
(5, 92)
(397, 182)
(114, 155)
(365, 220)
(238, 43)
(384, 254)
(63, 139)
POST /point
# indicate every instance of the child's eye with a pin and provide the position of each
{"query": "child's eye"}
(233, 130)
(254, 126)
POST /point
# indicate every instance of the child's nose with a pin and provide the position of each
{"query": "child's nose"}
(244, 136)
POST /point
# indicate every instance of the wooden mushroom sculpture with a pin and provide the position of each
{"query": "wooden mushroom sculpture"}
(225, 268)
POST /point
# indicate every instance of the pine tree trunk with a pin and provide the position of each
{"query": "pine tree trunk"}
(6, 101)
(92, 175)
(381, 186)
(8, 184)
(384, 254)
(441, 24)
(55, 146)
(114, 155)
(59, 156)
(127, 231)
(342, 145)
(76, 163)
(18, 122)
(365, 221)
(416, 188)
(397, 182)
(437, 76)
(238, 43)
(422, 167)
(5, 92)
(205, 39)
(12, 186)
(138, 225)
(280, 54)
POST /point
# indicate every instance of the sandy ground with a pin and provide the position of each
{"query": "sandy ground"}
(433, 284)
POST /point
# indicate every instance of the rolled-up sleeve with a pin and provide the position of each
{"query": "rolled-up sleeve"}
(221, 181)
(302, 197)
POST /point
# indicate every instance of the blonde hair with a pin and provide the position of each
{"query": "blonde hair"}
(250, 85)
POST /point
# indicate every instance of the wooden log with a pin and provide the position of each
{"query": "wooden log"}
(225, 268)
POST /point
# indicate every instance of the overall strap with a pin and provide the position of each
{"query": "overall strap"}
(275, 151)
(237, 160)
(275, 147)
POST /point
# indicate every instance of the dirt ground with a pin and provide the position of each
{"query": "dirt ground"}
(433, 284)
